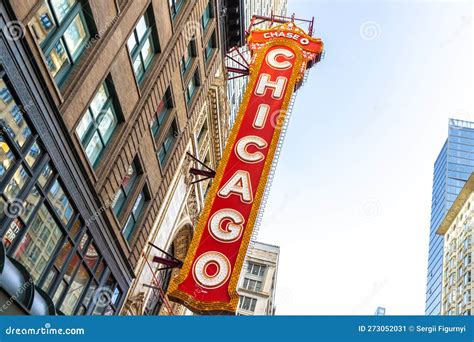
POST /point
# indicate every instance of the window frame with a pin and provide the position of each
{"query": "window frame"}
(212, 42)
(168, 149)
(72, 232)
(185, 65)
(149, 35)
(175, 10)
(197, 83)
(57, 35)
(206, 24)
(128, 194)
(137, 219)
(111, 103)
(252, 303)
(162, 117)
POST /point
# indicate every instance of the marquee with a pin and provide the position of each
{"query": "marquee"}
(208, 279)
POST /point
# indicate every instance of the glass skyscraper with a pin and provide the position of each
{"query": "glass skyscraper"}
(452, 168)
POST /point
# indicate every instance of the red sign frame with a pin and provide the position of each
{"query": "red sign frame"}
(208, 279)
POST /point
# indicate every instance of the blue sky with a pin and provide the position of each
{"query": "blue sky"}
(350, 203)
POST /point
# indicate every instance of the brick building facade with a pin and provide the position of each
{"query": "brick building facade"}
(135, 85)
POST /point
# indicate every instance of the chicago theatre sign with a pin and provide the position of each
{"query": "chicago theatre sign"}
(208, 279)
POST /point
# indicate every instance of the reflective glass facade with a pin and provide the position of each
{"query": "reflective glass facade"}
(40, 225)
(452, 168)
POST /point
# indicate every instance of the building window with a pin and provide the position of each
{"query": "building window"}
(252, 285)
(191, 87)
(202, 133)
(134, 216)
(247, 303)
(467, 278)
(467, 242)
(175, 6)
(98, 124)
(467, 297)
(161, 114)
(47, 236)
(115, 294)
(126, 188)
(60, 202)
(168, 143)
(60, 28)
(187, 58)
(210, 46)
(143, 44)
(467, 260)
(206, 16)
(258, 270)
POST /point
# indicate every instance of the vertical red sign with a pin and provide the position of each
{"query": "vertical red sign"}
(208, 279)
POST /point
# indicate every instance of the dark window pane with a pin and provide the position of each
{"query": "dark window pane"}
(30, 204)
(57, 58)
(61, 7)
(6, 157)
(206, 16)
(91, 256)
(52, 275)
(17, 182)
(12, 118)
(127, 230)
(75, 290)
(33, 154)
(94, 148)
(126, 187)
(141, 47)
(59, 291)
(45, 175)
(32, 251)
(90, 294)
(85, 238)
(60, 202)
(71, 267)
(75, 229)
(100, 270)
(62, 36)
(97, 125)
(75, 36)
(64, 252)
(42, 23)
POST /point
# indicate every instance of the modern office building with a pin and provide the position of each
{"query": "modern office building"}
(236, 87)
(101, 101)
(457, 228)
(257, 283)
(452, 168)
